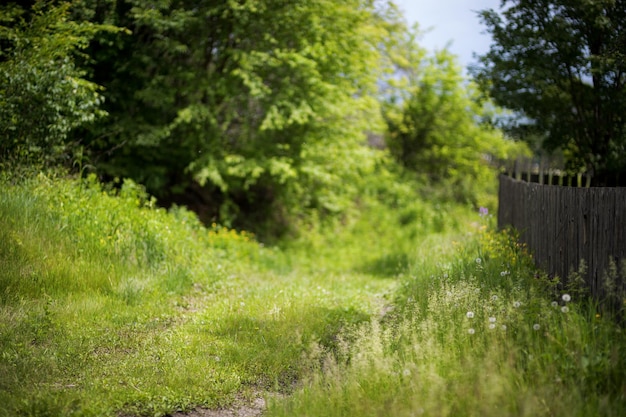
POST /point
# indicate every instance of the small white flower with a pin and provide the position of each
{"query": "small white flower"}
(566, 298)
(445, 275)
(564, 309)
(470, 314)
(406, 372)
(494, 298)
(492, 319)
(471, 331)
(536, 326)
(478, 260)
(492, 326)
(503, 327)
(517, 304)
(554, 304)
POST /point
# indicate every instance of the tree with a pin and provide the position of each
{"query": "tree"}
(260, 107)
(43, 94)
(434, 119)
(561, 64)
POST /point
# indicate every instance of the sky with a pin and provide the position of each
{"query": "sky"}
(452, 21)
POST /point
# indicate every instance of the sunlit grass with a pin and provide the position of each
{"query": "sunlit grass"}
(109, 304)
(481, 337)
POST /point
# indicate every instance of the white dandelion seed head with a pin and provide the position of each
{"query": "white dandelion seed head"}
(445, 275)
(494, 298)
(503, 327)
(406, 372)
(492, 326)
(492, 319)
(554, 304)
(517, 304)
(471, 331)
(564, 309)
(470, 314)
(566, 298)
(536, 326)
(478, 260)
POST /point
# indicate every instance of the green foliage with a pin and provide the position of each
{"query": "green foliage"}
(561, 65)
(43, 94)
(264, 105)
(435, 127)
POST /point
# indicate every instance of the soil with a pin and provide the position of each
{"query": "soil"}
(253, 409)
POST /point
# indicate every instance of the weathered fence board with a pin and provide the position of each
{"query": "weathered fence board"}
(563, 225)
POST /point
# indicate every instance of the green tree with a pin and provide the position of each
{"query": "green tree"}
(43, 94)
(561, 65)
(435, 123)
(259, 107)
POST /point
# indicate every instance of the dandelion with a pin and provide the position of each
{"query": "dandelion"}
(483, 211)
(471, 331)
(406, 372)
(566, 298)
(554, 304)
(564, 309)
(536, 326)
(492, 319)
(494, 298)
(470, 314)
(492, 326)
(517, 304)
(503, 327)
(478, 261)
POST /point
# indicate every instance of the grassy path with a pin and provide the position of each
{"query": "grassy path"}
(109, 307)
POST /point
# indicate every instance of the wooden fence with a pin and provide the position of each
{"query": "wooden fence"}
(563, 225)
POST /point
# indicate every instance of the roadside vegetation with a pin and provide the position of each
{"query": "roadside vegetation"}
(206, 203)
(111, 305)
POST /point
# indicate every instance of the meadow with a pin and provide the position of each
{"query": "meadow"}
(111, 306)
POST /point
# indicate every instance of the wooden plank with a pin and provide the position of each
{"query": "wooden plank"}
(562, 225)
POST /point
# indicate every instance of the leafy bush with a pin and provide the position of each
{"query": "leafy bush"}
(43, 94)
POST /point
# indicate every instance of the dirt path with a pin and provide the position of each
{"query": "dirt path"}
(253, 409)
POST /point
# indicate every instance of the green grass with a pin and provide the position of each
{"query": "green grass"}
(110, 306)
(484, 336)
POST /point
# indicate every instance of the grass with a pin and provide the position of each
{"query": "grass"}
(110, 306)
(484, 336)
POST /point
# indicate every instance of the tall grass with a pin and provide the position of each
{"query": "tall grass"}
(111, 305)
(484, 336)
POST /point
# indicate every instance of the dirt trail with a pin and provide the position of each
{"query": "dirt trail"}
(254, 409)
